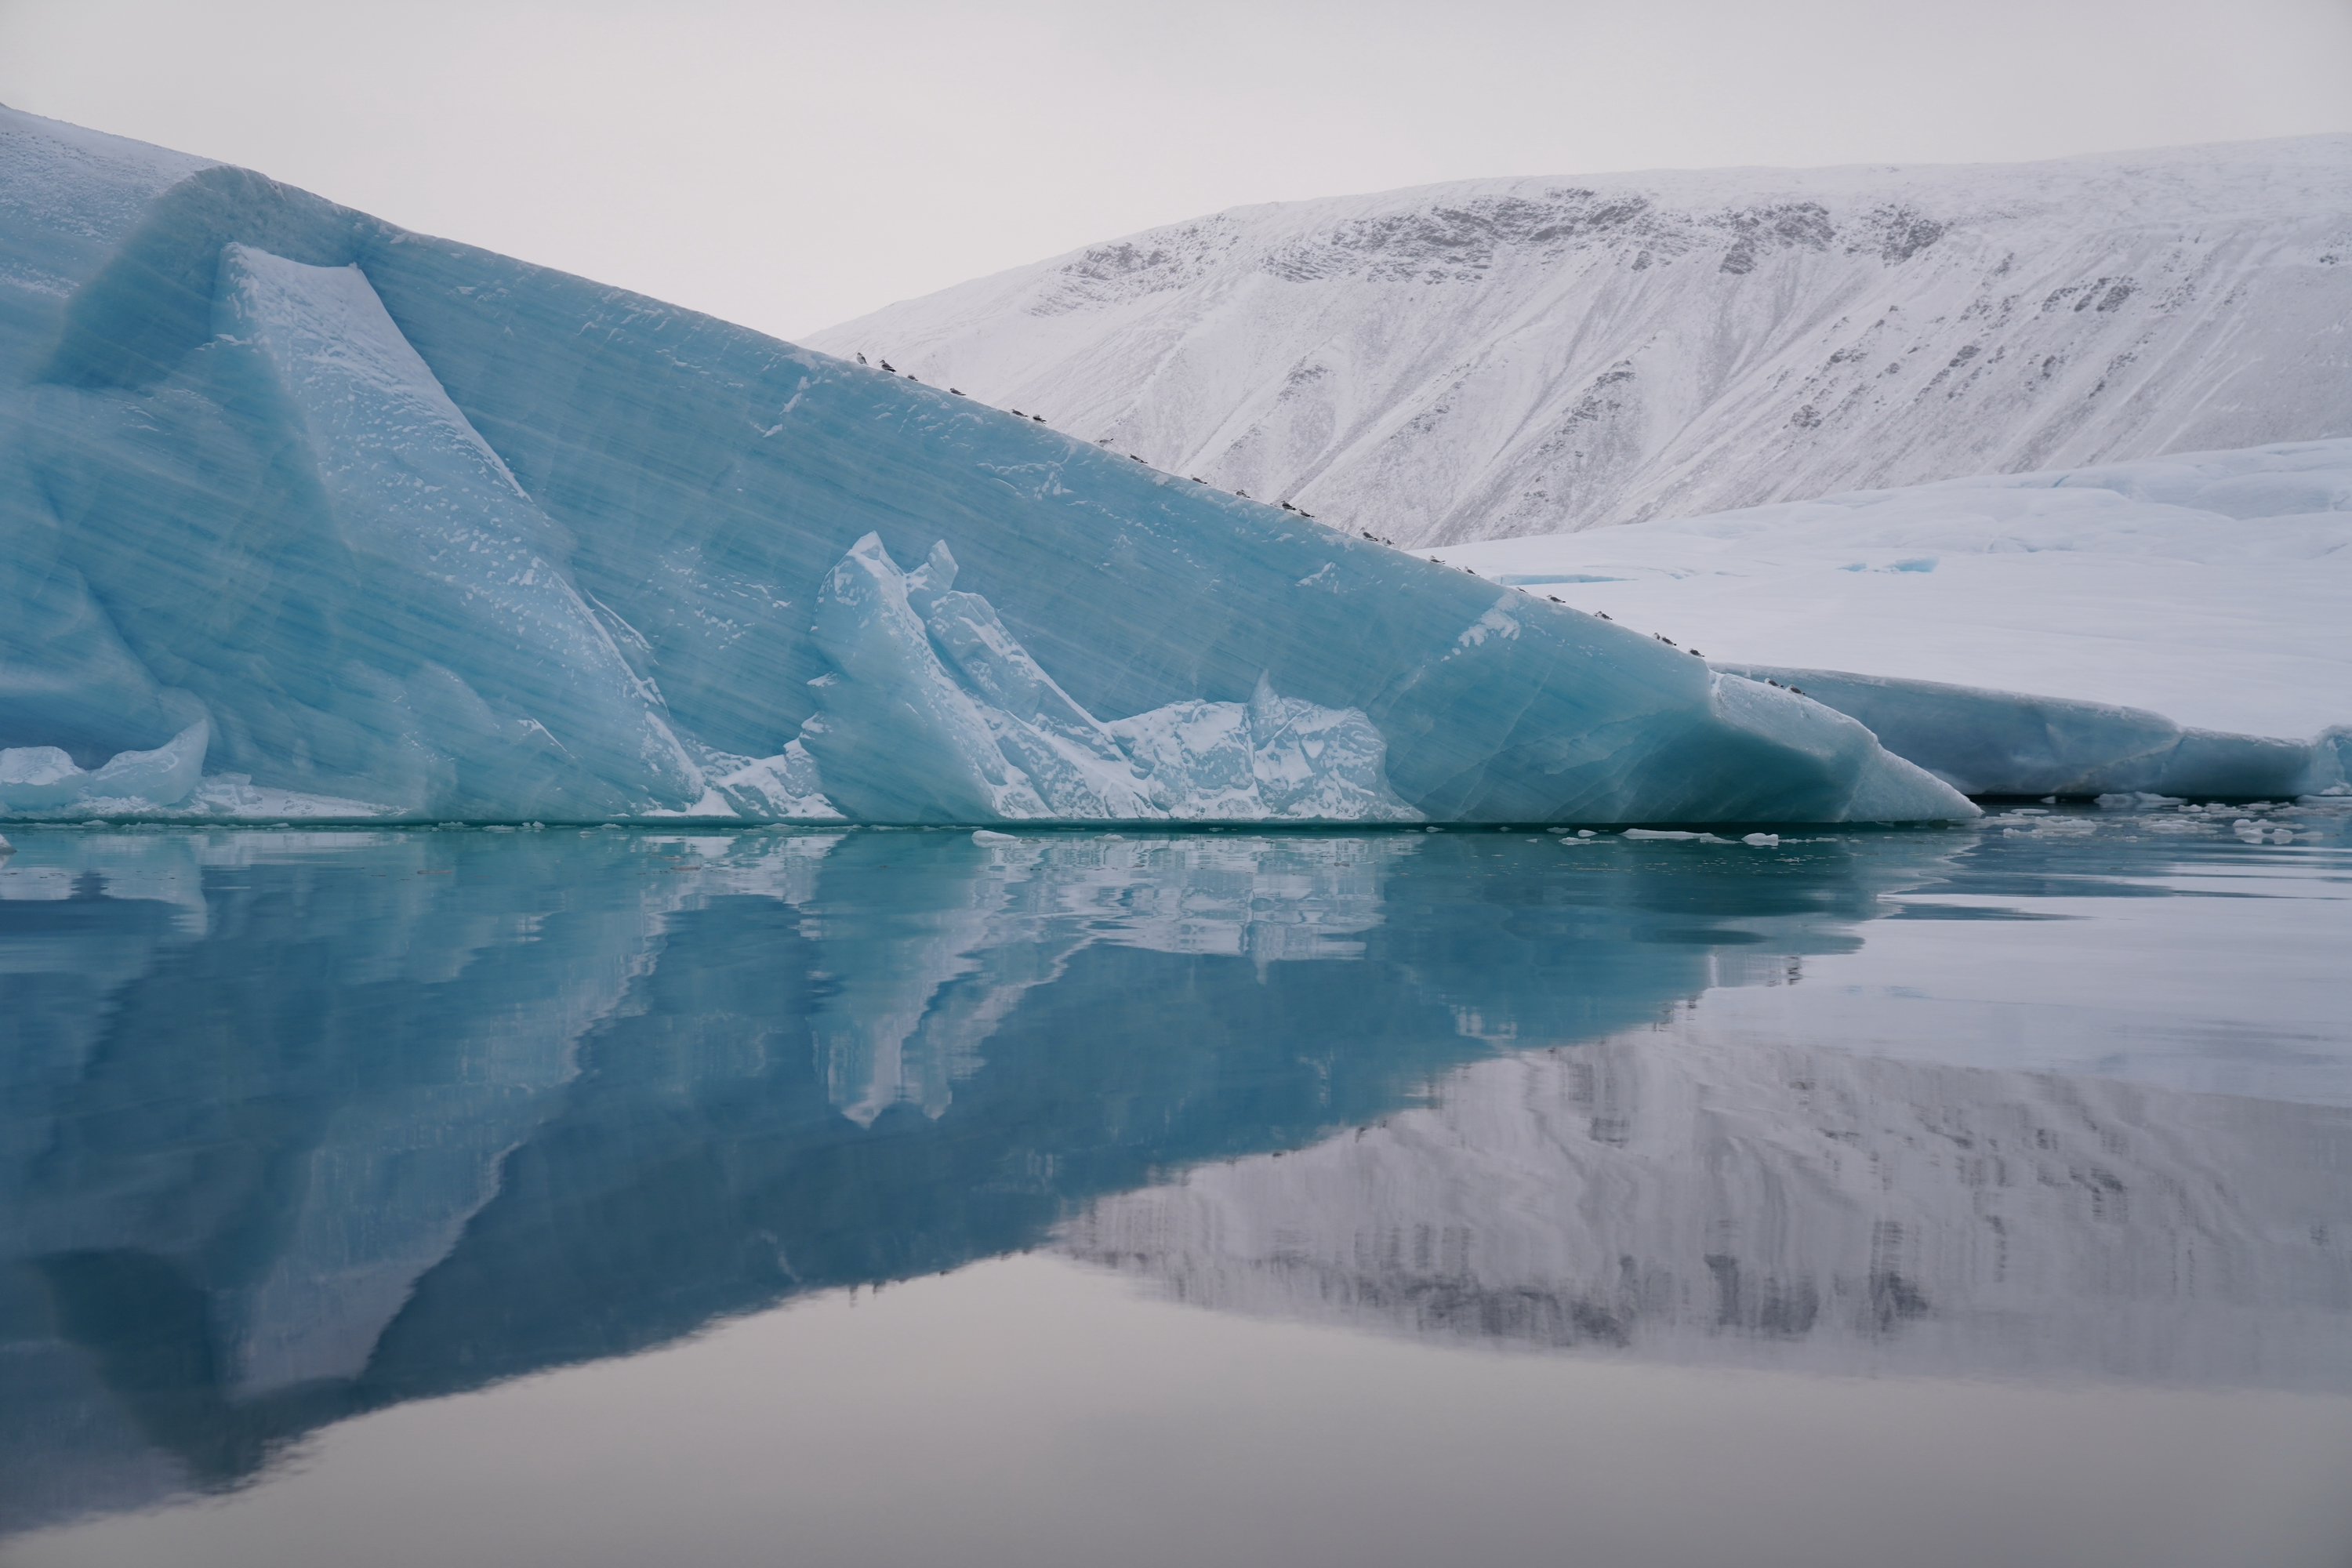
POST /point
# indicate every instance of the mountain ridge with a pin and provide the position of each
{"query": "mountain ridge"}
(1618, 347)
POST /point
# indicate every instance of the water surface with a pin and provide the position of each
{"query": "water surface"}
(1954, 1196)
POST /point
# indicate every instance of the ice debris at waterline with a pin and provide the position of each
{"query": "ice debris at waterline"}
(302, 515)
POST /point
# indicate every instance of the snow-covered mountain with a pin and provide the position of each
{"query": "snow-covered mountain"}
(1491, 358)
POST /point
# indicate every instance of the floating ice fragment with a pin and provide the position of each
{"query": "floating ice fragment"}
(1763, 840)
(44, 781)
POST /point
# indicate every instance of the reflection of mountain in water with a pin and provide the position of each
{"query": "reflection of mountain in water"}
(1683, 1196)
(299, 1125)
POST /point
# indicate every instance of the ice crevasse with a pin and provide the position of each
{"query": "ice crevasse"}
(304, 515)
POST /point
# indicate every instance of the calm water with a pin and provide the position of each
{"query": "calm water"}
(1970, 1196)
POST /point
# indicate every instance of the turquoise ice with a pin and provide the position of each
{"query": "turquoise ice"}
(304, 515)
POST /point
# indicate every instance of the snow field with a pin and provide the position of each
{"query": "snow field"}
(2179, 620)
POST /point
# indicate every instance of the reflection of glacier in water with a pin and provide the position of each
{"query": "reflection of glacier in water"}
(927, 974)
(301, 1125)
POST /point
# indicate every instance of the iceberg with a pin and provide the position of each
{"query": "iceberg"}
(302, 514)
(2003, 743)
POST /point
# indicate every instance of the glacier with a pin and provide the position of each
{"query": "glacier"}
(303, 515)
(1500, 357)
(2170, 625)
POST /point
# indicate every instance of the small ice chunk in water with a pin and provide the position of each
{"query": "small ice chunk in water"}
(1763, 840)
(986, 836)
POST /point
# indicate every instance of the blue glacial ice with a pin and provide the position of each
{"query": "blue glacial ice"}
(2005, 743)
(306, 515)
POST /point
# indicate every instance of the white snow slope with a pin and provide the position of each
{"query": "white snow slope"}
(1498, 357)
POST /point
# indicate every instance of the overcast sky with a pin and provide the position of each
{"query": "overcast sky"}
(791, 165)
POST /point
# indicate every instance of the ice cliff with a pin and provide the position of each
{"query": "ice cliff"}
(304, 515)
(1496, 357)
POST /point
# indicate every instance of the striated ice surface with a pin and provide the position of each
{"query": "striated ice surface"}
(302, 515)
